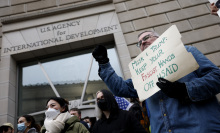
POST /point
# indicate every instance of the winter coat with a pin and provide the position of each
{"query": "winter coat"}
(72, 125)
(120, 122)
(31, 130)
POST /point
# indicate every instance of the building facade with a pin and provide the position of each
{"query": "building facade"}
(46, 46)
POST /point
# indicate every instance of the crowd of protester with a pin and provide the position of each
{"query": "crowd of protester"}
(186, 105)
(60, 119)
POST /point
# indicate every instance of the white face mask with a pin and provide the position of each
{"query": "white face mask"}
(52, 113)
(88, 125)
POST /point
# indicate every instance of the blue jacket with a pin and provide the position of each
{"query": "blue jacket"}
(168, 115)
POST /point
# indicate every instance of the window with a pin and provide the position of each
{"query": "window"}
(69, 74)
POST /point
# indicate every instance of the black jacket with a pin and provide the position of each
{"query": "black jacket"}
(85, 124)
(118, 122)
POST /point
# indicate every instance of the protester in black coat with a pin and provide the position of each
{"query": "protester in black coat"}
(112, 119)
(140, 112)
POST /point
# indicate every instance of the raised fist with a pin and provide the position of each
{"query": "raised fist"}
(100, 54)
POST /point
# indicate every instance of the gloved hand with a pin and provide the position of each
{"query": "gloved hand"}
(174, 90)
(217, 4)
(100, 54)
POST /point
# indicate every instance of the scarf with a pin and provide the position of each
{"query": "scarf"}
(56, 125)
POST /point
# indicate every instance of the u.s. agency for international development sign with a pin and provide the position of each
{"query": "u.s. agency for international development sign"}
(166, 57)
(64, 33)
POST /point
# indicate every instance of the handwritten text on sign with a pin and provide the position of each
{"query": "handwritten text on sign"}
(165, 58)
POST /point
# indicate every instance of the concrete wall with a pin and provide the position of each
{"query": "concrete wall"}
(192, 17)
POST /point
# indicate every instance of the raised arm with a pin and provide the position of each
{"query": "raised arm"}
(118, 86)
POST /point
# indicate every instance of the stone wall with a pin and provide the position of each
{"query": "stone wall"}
(192, 17)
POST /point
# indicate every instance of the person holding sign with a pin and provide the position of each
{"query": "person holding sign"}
(186, 105)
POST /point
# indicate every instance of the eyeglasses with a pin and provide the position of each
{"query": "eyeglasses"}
(145, 38)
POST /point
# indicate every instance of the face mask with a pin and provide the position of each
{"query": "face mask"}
(102, 104)
(88, 125)
(21, 127)
(52, 113)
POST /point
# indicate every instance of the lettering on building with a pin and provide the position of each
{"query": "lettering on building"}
(61, 35)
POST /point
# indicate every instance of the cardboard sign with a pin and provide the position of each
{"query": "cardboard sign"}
(166, 58)
(213, 1)
(218, 12)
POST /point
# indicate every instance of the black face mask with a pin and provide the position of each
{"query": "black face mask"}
(103, 105)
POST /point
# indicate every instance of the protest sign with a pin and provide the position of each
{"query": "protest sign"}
(166, 58)
(213, 1)
(218, 12)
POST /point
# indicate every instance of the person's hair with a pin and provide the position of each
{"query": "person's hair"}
(136, 110)
(4, 128)
(110, 99)
(86, 117)
(98, 112)
(112, 104)
(76, 109)
(30, 119)
(134, 100)
(92, 121)
(153, 32)
(62, 102)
